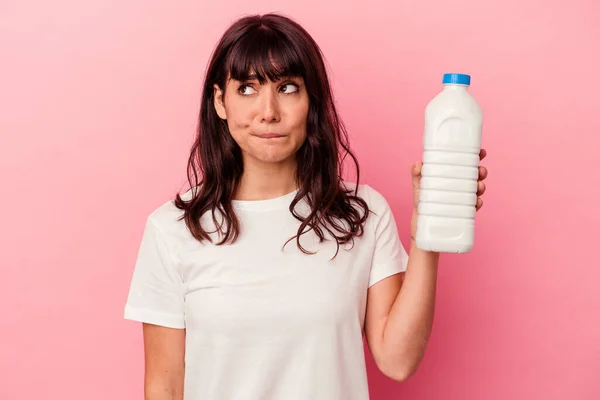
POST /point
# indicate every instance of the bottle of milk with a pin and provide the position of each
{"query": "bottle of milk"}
(451, 143)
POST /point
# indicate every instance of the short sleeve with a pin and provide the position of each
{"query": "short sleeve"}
(156, 293)
(389, 255)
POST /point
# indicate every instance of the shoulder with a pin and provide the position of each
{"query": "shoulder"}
(168, 219)
(374, 199)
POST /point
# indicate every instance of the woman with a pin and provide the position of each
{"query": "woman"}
(259, 282)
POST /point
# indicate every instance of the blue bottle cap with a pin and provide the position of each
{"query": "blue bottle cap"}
(456, 79)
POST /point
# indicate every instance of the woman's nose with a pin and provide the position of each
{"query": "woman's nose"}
(269, 107)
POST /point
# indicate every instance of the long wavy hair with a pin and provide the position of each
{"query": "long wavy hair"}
(273, 46)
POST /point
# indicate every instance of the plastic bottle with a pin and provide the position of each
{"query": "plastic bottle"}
(451, 146)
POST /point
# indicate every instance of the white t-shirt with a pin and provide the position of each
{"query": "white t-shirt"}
(264, 323)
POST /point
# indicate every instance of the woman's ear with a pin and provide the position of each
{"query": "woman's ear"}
(219, 104)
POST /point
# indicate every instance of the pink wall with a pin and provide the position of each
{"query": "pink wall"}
(98, 101)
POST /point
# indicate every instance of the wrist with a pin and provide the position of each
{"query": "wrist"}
(413, 236)
(430, 257)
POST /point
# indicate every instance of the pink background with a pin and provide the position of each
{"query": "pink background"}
(98, 104)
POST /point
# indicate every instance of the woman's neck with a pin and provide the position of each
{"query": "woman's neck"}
(263, 181)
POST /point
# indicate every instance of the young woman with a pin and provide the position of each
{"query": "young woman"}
(259, 282)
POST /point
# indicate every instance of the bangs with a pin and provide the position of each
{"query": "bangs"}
(266, 54)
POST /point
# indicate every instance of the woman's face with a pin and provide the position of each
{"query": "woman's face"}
(267, 121)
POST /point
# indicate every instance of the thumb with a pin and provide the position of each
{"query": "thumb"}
(416, 172)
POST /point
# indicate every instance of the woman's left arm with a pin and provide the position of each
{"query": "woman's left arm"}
(400, 308)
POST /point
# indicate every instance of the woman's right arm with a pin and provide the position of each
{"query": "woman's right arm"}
(164, 354)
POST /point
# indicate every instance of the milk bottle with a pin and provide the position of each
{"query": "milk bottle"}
(451, 146)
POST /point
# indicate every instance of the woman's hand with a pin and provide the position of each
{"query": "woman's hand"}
(416, 180)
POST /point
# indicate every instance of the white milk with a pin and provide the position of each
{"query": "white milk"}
(451, 143)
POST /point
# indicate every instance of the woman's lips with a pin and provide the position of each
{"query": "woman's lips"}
(270, 135)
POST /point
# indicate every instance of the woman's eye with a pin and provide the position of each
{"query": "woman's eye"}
(246, 90)
(289, 88)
